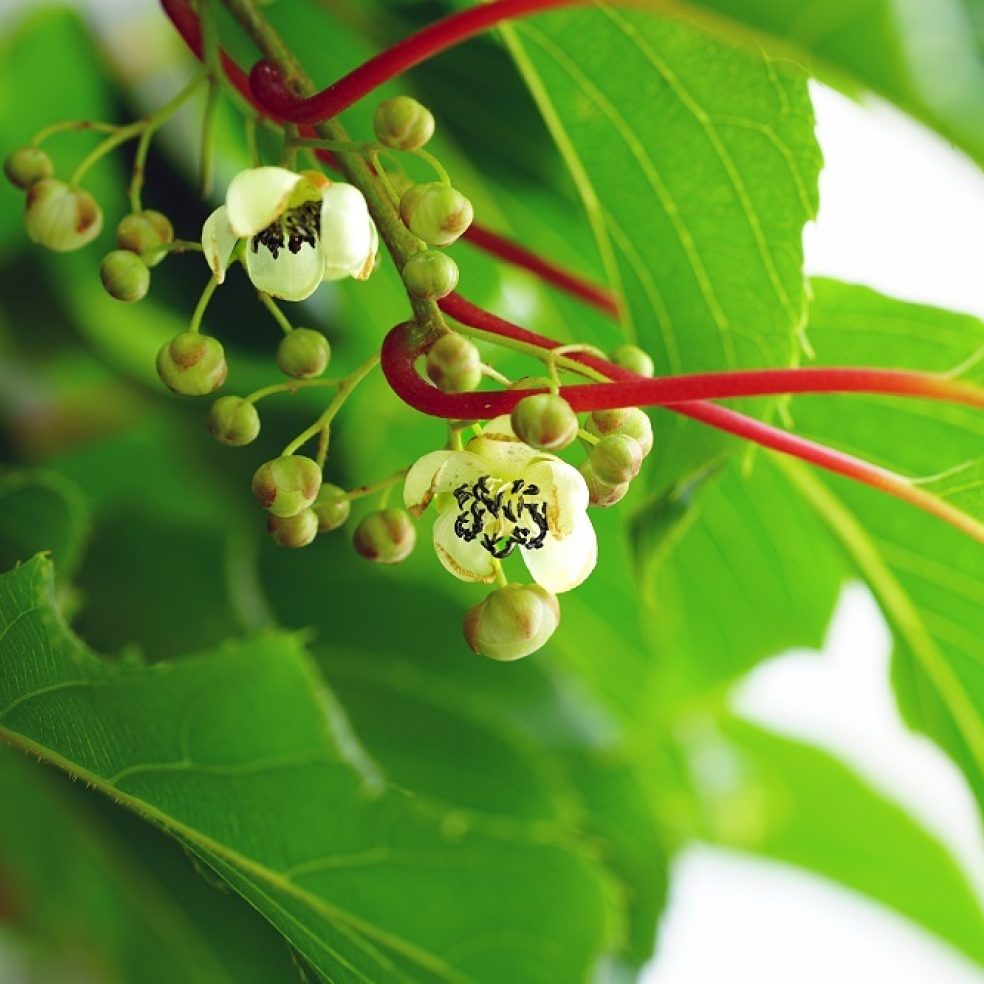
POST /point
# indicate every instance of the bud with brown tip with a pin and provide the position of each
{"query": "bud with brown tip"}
(403, 123)
(512, 622)
(293, 531)
(454, 365)
(61, 218)
(286, 485)
(332, 508)
(386, 536)
(545, 421)
(192, 364)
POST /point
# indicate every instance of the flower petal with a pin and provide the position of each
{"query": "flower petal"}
(291, 276)
(467, 561)
(257, 197)
(506, 454)
(420, 485)
(562, 488)
(346, 231)
(218, 242)
(560, 565)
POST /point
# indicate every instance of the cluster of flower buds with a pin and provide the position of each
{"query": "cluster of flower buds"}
(141, 238)
(57, 215)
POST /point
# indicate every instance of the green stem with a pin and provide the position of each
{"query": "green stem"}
(78, 126)
(251, 144)
(106, 147)
(268, 302)
(500, 575)
(381, 486)
(438, 167)
(292, 386)
(400, 242)
(199, 312)
(366, 147)
(495, 375)
(324, 439)
(345, 389)
(152, 255)
(587, 437)
(205, 164)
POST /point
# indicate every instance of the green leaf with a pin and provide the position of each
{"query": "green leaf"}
(926, 58)
(248, 760)
(788, 801)
(78, 894)
(697, 163)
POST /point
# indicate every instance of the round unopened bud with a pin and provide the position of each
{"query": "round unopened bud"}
(634, 359)
(233, 420)
(125, 276)
(436, 213)
(403, 123)
(293, 531)
(386, 536)
(286, 485)
(26, 165)
(303, 353)
(512, 622)
(616, 459)
(630, 421)
(144, 232)
(601, 493)
(545, 421)
(454, 364)
(430, 275)
(61, 218)
(192, 364)
(332, 508)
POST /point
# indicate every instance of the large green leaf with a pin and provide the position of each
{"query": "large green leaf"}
(697, 163)
(245, 758)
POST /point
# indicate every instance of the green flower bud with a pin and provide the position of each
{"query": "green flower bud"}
(293, 531)
(454, 364)
(303, 353)
(125, 276)
(386, 536)
(332, 508)
(545, 421)
(233, 420)
(436, 213)
(616, 459)
(630, 421)
(430, 275)
(286, 485)
(512, 622)
(143, 232)
(26, 165)
(403, 123)
(61, 218)
(192, 364)
(634, 359)
(601, 494)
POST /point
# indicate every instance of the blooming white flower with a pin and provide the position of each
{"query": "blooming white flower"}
(300, 229)
(498, 494)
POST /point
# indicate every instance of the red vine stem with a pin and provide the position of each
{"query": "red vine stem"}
(187, 24)
(403, 55)
(399, 355)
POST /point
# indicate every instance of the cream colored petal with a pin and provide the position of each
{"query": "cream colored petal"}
(560, 565)
(218, 242)
(467, 561)
(366, 272)
(258, 196)
(420, 485)
(346, 231)
(562, 488)
(505, 453)
(291, 276)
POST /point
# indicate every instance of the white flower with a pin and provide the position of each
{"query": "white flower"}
(300, 229)
(499, 494)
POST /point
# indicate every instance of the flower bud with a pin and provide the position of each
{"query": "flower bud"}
(630, 421)
(293, 531)
(430, 275)
(286, 485)
(332, 508)
(436, 213)
(303, 353)
(192, 364)
(512, 622)
(61, 218)
(601, 494)
(233, 421)
(616, 459)
(403, 123)
(125, 276)
(634, 359)
(454, 364)
(144, 232)
(545, 421)
(386, 536)
(26, 165)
